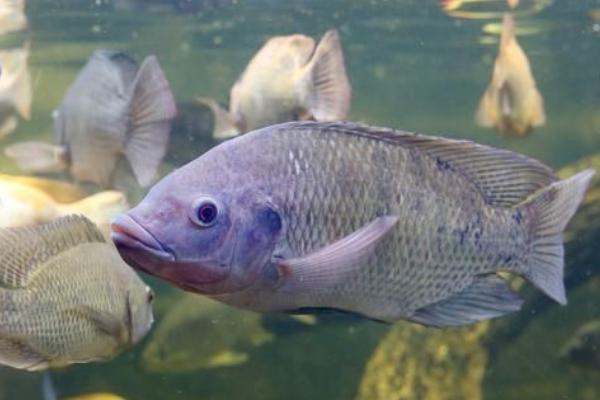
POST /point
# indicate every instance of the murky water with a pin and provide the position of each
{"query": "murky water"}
(412, 66)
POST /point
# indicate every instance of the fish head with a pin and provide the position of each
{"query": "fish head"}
(209, 237)
(139, 311)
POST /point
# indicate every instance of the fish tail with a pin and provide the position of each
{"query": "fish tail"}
(551, 209)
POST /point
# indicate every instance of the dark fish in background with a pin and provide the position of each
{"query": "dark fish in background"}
(15, 88)
(512, 103)
(289, 78)
(309, 216)
(66, 296)
(583, 348)
(113, 122)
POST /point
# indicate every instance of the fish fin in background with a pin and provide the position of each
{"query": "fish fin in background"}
(504, 178)
(227, 358)
(538, 115)
(486, 115)
(48, 389)
(26, 243)
(99, 207)
(550, 211)
(330, 264)
(488, 296)
(22, 90)
(38, 156)
(8, 125)
(223, 125)
(152, 109)
(328, 89)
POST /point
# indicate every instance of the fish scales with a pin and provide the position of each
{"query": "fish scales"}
(332, 183)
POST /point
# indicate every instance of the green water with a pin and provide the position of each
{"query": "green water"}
(412, 67)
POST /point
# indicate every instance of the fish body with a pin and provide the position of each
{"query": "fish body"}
(15, 88)
(512, 103)
(227, 336)
(66, 296)
(12, 16)
(59, 191)
(291, 78)
(386, 224)
(114, 121)
(23, 204)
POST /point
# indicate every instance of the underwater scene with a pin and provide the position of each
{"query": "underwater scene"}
(299, 199)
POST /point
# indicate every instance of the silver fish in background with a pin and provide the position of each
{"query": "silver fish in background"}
(512, 103)
(12, 16)
(289, 78)
(113, 122)
(66, 296)
(387, 224)
(15, 88)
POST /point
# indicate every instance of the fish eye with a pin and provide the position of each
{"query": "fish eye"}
(205, 212)
(149, 295)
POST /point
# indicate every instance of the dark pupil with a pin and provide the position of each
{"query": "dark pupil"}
(207, 213)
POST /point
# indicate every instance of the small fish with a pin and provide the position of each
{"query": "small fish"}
(114, 121)
(390, 225)
(22, 204)
(227, 336)
(583, 348)
(12, 16)
(15, 88)
(512, 103)
(290, 79)
(66, 296)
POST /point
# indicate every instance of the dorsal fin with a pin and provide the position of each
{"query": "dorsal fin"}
(23, 250)
(503, 177)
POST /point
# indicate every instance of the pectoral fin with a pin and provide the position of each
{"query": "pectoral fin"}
(38, 156)
(331, 264)
(105, 322)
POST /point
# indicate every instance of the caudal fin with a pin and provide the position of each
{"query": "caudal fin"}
(329, 91)
(551, 210)
(223, 125)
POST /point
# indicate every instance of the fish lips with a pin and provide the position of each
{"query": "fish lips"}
(143, 251)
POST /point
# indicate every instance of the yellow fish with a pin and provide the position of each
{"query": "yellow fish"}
(289, 78)
(512, 103)
(23, 204)
(97, 396)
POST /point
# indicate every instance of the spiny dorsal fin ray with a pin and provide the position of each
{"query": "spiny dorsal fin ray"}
(23, 250)
(503, 177)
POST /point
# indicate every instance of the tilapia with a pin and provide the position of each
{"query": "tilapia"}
(289, 79)
(227, 337)
(512, 103)
(66, 296)
(23, 204)
(59, 191)
(114, 121)
(390, 225)
(15, 88)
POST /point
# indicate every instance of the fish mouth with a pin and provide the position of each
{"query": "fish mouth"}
(140, 249)
(129, 234)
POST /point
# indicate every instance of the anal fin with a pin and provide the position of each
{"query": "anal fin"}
(487, 297)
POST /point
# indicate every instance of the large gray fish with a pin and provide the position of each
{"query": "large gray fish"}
(114, 121)
(289, 78)
(66, 296)
(383, 223)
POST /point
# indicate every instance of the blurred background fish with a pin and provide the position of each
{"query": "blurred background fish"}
(66, 297)
(583, 347)
(512, 103)
(199, 333)
(15, 88)
(12, 16)
(22, 202)
(289, 78)
(114, 122)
